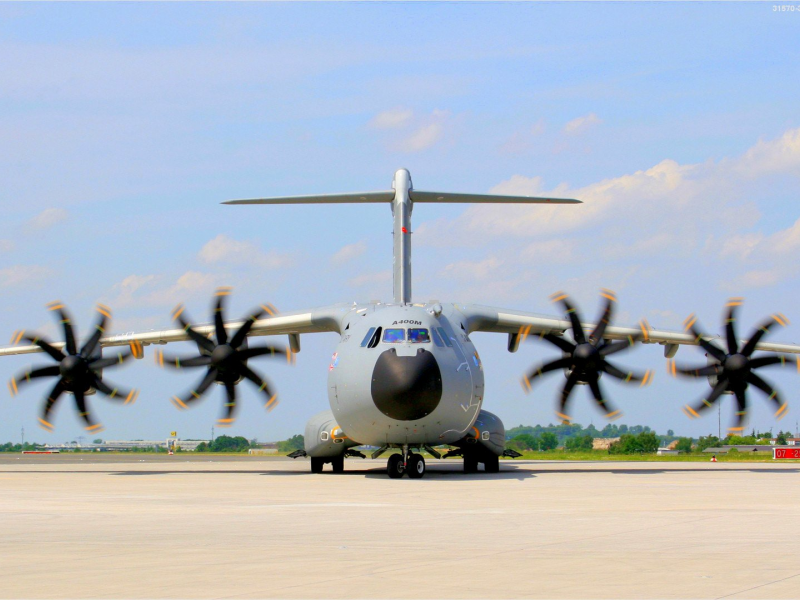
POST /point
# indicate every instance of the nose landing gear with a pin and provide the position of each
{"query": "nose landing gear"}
(400, 464)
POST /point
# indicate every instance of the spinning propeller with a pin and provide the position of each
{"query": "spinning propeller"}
(79, 372)
(734, 369)
(225, 360)
(586, 359)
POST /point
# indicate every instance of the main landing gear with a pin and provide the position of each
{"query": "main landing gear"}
(400, 464)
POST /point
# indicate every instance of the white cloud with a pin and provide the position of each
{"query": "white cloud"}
(582, 124)
(370, 279)
(21, 276)
(392, 119)
(349, 252)
(225, 250)
(152, 290)
(423, 138)
(47, 218)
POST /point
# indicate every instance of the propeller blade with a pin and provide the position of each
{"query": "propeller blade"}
(712, 349)
(177, 362)
(22, 378)
(719, 389)
(230, 406)
(196, 393)
(99, 329)
(772, 394)
(58, 389)
(600, 328)
(561, 363)
(645, 378)
(566, 391)
(83, 413)
(219, 322)
(51, 351)
(741, 410)
(594, 386)
(115, 393)
(103, 363)
(203, 343)
(559, 342)
(765, 361)
(240, 335)
(263, 351)
(572, 314)
(705, 371)
(614, 347)
(763, 330)
(66, 322)
(730, 321)
(263, 387)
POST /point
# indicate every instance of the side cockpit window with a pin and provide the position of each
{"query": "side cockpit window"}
(394, 336)
(419, 336)
(367, 337)
(445, 338)
(375, 339)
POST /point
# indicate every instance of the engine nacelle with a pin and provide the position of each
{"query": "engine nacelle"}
(488, 434)
(324, 438)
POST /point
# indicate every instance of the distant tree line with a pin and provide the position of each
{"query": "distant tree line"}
(225, 443)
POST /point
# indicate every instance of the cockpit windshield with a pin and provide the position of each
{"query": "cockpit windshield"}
(419, 336)
(394, 336)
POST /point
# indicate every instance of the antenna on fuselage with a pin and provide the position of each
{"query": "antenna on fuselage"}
(402, 197)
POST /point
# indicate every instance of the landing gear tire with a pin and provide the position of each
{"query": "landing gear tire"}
(338, 464)
(416, 466)
(316, 464)
(395, 468)
(470, 464)
(492, 464)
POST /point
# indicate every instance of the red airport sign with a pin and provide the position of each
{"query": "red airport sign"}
(783, 453)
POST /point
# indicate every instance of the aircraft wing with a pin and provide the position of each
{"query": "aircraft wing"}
(519, 324)
(325, 319)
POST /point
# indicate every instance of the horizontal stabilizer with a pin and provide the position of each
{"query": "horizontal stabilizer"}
(415, 195)
(418, 196)
(351, 198)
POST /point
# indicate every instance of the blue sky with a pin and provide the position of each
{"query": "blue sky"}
(122, 127)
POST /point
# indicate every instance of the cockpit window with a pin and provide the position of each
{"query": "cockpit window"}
(436, 338)
(394, 336)
(419, 336)
(446, 339)
(367, 337)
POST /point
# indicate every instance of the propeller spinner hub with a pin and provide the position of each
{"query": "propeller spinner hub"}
(221, 356)
(73, 368)
(585, 352)
(736, 363)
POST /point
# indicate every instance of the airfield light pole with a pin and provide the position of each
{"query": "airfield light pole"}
(22, 435)
(719, 420)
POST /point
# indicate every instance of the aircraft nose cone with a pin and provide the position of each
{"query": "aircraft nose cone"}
(406, 388)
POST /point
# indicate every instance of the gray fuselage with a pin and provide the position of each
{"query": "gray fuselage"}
(405, 375)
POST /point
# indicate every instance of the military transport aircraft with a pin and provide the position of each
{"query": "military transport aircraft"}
(404, 375)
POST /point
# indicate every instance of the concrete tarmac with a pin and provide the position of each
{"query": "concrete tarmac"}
(252, 527)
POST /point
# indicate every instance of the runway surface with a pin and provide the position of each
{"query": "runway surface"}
(244, 527)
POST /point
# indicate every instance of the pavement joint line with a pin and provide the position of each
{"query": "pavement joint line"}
(758, 586)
